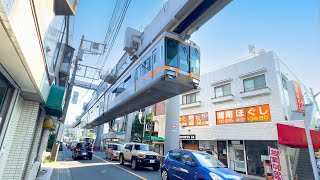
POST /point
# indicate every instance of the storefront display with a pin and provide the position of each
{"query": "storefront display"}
(257, 153)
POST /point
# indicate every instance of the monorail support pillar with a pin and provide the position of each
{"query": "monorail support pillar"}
(99, 135)
(172, 124)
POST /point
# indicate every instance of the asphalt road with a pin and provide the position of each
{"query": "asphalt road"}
(97, 168)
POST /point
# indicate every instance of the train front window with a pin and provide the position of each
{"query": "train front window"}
(183, 54)
(172, 51)
(194, 61)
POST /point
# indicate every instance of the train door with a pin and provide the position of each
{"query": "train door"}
(154, 62)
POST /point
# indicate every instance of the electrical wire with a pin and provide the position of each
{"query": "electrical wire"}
(113, 37)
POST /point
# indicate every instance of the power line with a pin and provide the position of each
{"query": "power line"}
(108, 38)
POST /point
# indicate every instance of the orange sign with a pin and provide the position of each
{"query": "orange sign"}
(240, 115)
(184, 120)
(258, 113)
(243, 115)
(200, 119)
(191, 120)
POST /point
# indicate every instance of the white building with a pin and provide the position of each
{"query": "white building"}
(34, 56)
(235, 110)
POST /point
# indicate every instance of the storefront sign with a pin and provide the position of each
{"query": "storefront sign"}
(200, 119)
(244, 115)
(185, 137)
(296, 97)
(275, 163)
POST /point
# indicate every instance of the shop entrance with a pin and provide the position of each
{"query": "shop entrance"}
(190, 144)
(238, 160)
(222, 152)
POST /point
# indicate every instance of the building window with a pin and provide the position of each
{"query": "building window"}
(221, 91)
(254, 83)
(284, 84)
(190, 98)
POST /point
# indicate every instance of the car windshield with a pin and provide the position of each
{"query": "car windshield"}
(208, 160)
(141, 147)
(119, 147)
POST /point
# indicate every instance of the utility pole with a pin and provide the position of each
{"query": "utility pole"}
(79, 56)
(72, 79)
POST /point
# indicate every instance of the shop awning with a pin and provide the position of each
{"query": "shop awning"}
(153, 138)
(295, 137)
(55, 101)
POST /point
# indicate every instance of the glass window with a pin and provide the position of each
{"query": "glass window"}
(174, 155)
(190, 98)
(185, 158)
(146, 66)
(224, 90)
(141, 147)
(194, 61)
(6, 91)
(183, 54)
(208, 160)
(172, 52)
(254, 83)
(284, 84)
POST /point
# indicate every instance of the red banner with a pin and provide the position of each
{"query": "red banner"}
(275, 163)
(299, 97)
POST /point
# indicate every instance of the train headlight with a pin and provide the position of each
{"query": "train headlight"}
(171, 73)
(196, 81)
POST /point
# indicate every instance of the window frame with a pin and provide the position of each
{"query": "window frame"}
(188, 98)
(253, 78)
(223, 92)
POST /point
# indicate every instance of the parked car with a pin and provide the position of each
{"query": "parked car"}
(61, 146)
(113, 151)
(191, 164)
(139, 155)
(82, 150)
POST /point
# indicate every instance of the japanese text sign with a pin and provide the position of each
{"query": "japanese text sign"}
(299, 97)
(258, 113)
(200, 119)
(275, 163)
(243, 115)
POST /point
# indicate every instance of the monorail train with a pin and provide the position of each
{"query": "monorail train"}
(169, 67)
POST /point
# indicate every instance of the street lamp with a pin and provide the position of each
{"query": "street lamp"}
(144, 122)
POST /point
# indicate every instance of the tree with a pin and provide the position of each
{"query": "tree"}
(91, 135)
(137, 127)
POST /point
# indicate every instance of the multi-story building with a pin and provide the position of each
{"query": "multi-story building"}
(234, 112)
(35, 59)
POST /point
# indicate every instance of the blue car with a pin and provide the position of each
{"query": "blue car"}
(197, 165)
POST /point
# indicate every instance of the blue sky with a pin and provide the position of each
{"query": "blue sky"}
(290, 28)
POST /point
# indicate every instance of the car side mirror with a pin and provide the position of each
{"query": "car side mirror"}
(189, 163)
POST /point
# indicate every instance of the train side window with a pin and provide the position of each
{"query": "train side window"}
(161, 53)
(126, 82)
(146, 66)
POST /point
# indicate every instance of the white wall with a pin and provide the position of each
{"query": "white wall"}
(264, 63)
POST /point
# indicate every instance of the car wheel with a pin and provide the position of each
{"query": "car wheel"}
(156, 168)
(121, 160)
(164, 175)
(134, 164)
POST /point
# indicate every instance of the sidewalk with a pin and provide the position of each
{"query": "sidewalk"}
(58, 170)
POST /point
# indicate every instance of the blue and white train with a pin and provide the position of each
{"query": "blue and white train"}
(169, 67)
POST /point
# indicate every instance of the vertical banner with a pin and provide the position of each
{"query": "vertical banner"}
(275, 163)
(296, 97)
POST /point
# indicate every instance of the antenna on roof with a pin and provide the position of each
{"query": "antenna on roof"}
(252, 49)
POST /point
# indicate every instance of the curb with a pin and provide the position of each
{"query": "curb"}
(46, 175)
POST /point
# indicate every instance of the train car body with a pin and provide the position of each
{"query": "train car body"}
(167, 68)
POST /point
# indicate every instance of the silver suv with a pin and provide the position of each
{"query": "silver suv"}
(139, 155)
